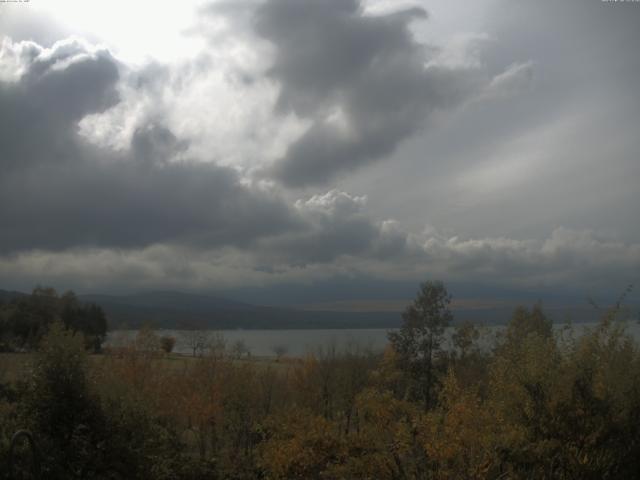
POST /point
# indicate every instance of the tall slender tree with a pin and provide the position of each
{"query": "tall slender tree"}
(420, 337)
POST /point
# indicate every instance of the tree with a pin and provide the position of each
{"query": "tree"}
(87, 318)
(525, 322)
(27, 318)
(167, 343)
(239, 349)
(280, 351)
(419, 339)
(217, 345)
(147, 342)
(196, 340)
(464, 338)
(59, 407)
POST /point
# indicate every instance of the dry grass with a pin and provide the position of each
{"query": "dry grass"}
(16, 366)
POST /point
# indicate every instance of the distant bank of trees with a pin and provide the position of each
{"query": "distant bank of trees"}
(538, 403)
(25, 319)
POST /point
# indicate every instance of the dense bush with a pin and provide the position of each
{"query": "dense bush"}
(167, 344)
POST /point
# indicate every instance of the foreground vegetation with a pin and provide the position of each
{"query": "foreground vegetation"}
(536, 405)
(24, 319)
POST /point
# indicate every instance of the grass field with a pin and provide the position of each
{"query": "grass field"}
(16, 366)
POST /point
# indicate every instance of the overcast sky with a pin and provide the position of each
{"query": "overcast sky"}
(211, 146)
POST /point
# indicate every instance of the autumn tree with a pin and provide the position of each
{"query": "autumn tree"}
(461, 436)
(464, 338)
(147, 342)
(419, 339)
(353, 368)
(469, 361)
(525, 322)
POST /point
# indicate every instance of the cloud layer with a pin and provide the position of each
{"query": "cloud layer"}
(310, 140)
(58, 191)
(567, 260)
(363, 81)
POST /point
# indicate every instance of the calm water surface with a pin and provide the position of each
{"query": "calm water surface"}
(300, 342)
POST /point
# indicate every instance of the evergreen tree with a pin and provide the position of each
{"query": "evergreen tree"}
(419, 339)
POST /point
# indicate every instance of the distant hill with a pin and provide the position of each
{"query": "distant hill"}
(169, 309)
(178, 310)
(172, 300)
(7, 295)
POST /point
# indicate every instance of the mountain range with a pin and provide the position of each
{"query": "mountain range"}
(179, 310)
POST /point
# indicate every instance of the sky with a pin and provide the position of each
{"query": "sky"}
(331, 149)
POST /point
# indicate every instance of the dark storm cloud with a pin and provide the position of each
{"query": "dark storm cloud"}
(57, 191)
(153, 143)
(327, 240)
(133, 205)
(56, 89)
(361, 79)
(531, 184)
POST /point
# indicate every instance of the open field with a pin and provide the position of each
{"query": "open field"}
(16, 366)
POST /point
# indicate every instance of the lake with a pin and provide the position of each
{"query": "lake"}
(262, 343)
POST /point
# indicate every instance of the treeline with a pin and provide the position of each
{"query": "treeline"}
(24, 319)
(537, 404)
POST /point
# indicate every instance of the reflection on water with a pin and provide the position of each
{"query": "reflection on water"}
(299, 342)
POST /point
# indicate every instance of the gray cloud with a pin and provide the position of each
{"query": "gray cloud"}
(527, 165)
(562, 151)
(581, 261)
(337, 225)
(45, 92)
(580, 257)
(363, 80)
(61, 192)
(133, 204)
(57, 191)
